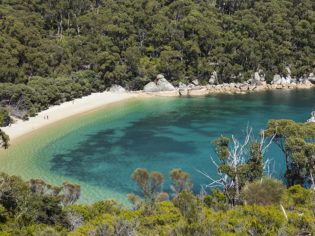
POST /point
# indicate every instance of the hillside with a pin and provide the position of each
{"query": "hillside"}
(53, 51)
(129, 42)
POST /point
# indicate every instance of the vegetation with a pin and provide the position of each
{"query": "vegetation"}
(4, 117)
(53, 51)
(244, 203)
(264, 192)
(35, 208)
(297, 143)
(5, 120)
(23, 100)
(56, 50)
(33, 205)
(236, 166)
(4, 140)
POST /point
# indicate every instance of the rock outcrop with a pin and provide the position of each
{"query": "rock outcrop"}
(182, 85)
(195, 82)
(214, 78)
(256, 83)
(160, 76)
(117, 89)
(164, 85)
(307, 82)
(151, 87)
(278, 80)
(259, 76)
(258, 79)
(161, 85)
(245, 87)
(311, 78)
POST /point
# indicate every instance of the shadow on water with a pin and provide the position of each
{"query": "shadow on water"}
(102, 155)
(172, 134)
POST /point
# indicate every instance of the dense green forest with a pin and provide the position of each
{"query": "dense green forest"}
(245, 201)
(56, 50)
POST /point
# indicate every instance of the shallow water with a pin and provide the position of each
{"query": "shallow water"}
(100, 150)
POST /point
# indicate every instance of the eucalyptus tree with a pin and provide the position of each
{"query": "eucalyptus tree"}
(180, 181)
(297, 144)
(150, 184)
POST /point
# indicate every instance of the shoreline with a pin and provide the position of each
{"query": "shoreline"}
(103, 99)
(233, 88)
(63, 111)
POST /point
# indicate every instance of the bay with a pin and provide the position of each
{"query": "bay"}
(99, 150)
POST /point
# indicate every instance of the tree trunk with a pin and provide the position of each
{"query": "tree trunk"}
(237, 190)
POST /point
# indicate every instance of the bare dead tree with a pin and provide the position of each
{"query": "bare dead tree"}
(312, 181)
(238, 156)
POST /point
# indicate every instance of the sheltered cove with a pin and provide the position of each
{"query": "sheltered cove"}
(97, 100)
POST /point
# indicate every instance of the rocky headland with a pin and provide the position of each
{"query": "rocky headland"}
(163, 87)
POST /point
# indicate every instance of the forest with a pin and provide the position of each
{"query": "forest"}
(56, 50)
(243, 200)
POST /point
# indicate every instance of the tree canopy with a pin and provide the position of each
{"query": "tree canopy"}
(72, 48)
(297, 143)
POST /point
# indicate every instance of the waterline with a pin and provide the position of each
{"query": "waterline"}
(99, 150)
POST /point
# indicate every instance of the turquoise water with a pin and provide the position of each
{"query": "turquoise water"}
(100, 150)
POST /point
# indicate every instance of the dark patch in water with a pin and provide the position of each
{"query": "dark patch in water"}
(174, 134)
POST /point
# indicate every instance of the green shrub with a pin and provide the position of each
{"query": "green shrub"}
(266, 191)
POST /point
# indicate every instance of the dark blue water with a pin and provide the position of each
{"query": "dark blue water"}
(160, 134)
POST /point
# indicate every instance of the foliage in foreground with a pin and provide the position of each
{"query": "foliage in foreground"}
(29, 210)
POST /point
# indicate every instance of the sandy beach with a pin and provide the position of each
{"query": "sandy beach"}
(75, 107)
(65, 110)
(97, 100)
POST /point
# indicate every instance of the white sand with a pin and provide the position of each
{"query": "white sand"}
(65, 110)
(88, 103)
